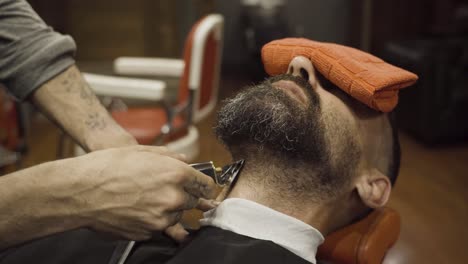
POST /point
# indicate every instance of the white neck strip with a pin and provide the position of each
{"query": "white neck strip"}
(254, 220)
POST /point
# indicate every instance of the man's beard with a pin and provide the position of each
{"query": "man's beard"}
(265, 118)
(285, 139)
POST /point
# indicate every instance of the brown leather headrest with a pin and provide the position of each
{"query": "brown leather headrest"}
(365, 241)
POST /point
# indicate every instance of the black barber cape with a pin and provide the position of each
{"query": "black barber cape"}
(209, 245)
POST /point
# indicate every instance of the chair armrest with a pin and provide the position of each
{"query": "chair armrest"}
(126, 87)
(149, 66)
(8, 157)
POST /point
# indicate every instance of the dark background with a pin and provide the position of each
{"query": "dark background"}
(106, 29)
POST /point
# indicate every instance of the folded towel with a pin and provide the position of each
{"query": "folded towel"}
(365, 77)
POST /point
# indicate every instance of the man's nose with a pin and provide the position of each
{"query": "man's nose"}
(302, 67)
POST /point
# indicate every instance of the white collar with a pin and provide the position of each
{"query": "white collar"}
(254, 220)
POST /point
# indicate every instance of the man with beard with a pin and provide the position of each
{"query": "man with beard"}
(315, 160)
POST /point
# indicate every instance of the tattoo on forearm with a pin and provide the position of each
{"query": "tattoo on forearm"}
(72, 84)
(95, 121)
(87, 95)
(69, 81)
(80, 96)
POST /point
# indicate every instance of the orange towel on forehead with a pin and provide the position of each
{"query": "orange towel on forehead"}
(362, 75)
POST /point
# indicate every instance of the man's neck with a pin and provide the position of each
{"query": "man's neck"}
(312, 213)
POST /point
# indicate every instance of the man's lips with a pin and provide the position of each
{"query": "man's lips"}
(292, 89)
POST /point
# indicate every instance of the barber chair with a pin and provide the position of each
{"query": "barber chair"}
(364, 242)
(11, 134)
(169, 123)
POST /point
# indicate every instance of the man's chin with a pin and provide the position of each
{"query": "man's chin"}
(266, 117)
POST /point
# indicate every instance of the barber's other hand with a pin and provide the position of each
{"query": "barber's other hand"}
(134, 191)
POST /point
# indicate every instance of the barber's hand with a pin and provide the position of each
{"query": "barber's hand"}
(134, 191)
(178, 232)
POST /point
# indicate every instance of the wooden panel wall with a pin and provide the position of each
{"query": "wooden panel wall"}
(106, 29)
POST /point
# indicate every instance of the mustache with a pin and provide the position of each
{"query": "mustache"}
(301, 82)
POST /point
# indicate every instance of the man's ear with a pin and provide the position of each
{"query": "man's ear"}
(374, 188)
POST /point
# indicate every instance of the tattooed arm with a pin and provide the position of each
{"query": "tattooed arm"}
(69, 102)
(129, 191)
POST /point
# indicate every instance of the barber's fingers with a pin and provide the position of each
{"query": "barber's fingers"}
(200, 185)
(175, 217)
(177, 232)
(195, 182)
(205, 205)
(190, 202)
(161, 150)
(223, 194)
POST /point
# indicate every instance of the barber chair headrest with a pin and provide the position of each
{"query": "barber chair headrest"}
(364, 242)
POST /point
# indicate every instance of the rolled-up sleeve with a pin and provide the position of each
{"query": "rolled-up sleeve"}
(31, 53)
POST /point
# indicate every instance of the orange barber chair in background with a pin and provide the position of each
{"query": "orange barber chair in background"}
(168, 123)
(12, 142)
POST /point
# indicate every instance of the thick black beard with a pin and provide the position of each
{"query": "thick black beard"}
(268, 119)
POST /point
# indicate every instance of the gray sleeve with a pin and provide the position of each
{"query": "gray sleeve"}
(31, 53)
